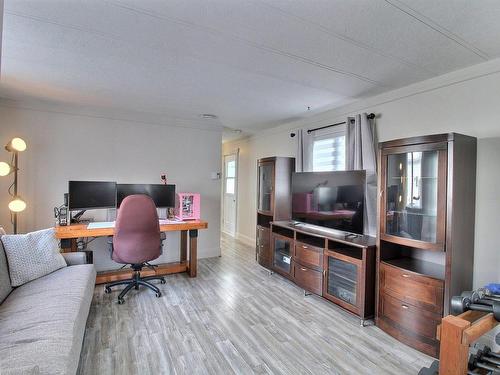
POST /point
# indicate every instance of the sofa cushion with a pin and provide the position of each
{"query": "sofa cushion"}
(5, 286)
(42, 323)
(32, 255)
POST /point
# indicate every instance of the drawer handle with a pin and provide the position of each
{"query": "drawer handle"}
(304, 247)
(303, 269)
(404, 307)
(405, 275)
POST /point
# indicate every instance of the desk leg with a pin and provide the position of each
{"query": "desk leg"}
(184, 244)
(193, 249)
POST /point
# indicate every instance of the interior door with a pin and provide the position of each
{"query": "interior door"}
(230, 192)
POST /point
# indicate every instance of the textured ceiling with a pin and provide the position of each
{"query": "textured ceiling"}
(253, 63)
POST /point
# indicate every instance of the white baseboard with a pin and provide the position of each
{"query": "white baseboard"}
(245, 239)
(241, 237)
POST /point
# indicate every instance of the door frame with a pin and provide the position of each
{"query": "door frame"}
(236, 154)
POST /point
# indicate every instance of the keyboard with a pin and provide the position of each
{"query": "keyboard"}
(167, 221)
(101, 225)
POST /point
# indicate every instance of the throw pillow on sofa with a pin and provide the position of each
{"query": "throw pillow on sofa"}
(32, 255)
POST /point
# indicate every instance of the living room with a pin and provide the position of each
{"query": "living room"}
(261, 147)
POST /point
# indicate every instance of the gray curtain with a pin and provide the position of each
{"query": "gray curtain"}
(361, 154)
(299, 161)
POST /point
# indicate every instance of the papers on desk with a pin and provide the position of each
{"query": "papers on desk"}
(167, 221)
(101, 225)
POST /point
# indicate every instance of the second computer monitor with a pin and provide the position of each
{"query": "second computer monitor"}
(162, 195)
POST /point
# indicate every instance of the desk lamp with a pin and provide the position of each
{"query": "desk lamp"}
(17, 204)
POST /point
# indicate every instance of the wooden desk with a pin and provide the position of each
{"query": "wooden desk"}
(185, 264)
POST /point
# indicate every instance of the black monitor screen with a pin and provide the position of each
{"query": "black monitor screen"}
(162, 195)
(330, 199)
(87, 195)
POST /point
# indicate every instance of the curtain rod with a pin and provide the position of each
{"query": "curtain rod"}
(371, 116)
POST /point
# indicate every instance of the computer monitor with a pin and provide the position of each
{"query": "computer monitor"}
(88, 195)
(162, 195)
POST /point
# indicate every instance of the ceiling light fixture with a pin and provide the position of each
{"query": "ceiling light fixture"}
(208, 116)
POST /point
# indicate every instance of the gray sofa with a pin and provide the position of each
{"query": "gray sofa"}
(42, 322)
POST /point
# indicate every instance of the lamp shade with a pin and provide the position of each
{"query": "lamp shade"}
(5, 168)
(16, 144)
(17, 204)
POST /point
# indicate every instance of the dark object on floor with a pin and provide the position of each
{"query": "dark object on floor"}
(432, 370)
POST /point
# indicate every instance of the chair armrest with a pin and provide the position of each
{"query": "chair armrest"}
(75, 258)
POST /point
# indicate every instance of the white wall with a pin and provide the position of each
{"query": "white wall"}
(465, 101)
(64, 147)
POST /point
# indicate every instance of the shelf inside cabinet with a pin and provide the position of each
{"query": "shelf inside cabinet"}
(422, 267)
(285, 232)
(264, 220)
(430, 214)
(310, 240)
(350, 251)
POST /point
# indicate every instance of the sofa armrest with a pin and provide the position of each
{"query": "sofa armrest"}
(75, 258)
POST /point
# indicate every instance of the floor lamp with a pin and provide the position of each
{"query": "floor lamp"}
(16, 204)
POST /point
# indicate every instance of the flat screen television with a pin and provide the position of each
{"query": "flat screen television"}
(330, 199)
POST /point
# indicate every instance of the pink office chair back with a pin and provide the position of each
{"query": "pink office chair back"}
(137, 231)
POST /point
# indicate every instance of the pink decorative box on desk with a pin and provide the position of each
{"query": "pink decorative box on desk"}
(187, 206)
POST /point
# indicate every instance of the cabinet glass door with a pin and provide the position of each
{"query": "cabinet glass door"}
(265, 193)
(342, 280)
(411, 195)
(282, 254)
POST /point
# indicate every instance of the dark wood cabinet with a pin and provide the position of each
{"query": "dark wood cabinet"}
(263, 252)
(426, 233)
(282, 249)
(342, 283)
(274, 202)
(308, 279)
(334, 266)
(350, 278)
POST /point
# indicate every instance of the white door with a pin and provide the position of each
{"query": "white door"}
(230, 192)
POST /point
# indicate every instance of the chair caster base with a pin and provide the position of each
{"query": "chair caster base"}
(162, 281)
(121, 301)
(107, 290)
(158, 295)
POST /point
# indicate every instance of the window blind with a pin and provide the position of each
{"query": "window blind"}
(328, 153)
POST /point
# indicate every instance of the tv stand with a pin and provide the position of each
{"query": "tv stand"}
(336, 265)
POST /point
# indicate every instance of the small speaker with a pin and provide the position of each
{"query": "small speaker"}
(66, 196)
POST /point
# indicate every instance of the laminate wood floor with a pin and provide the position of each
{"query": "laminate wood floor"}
(234, 318)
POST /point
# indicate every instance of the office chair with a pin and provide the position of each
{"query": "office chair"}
(137, 240)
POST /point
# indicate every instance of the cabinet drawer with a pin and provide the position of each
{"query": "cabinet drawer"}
(417, 290)
(308, 255)
(408, 317)
(308, 278)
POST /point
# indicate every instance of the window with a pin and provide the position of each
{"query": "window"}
(328, 151)
(230, 176)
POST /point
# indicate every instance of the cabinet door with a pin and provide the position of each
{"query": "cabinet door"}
(282, 248)
(342, 281)
(263, 248)
(413, 201)
(265, 191)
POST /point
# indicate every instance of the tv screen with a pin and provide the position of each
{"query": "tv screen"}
(162, 195)
(87, 195)
(330, 199)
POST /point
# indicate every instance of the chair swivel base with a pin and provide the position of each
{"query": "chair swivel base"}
(135, 282)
